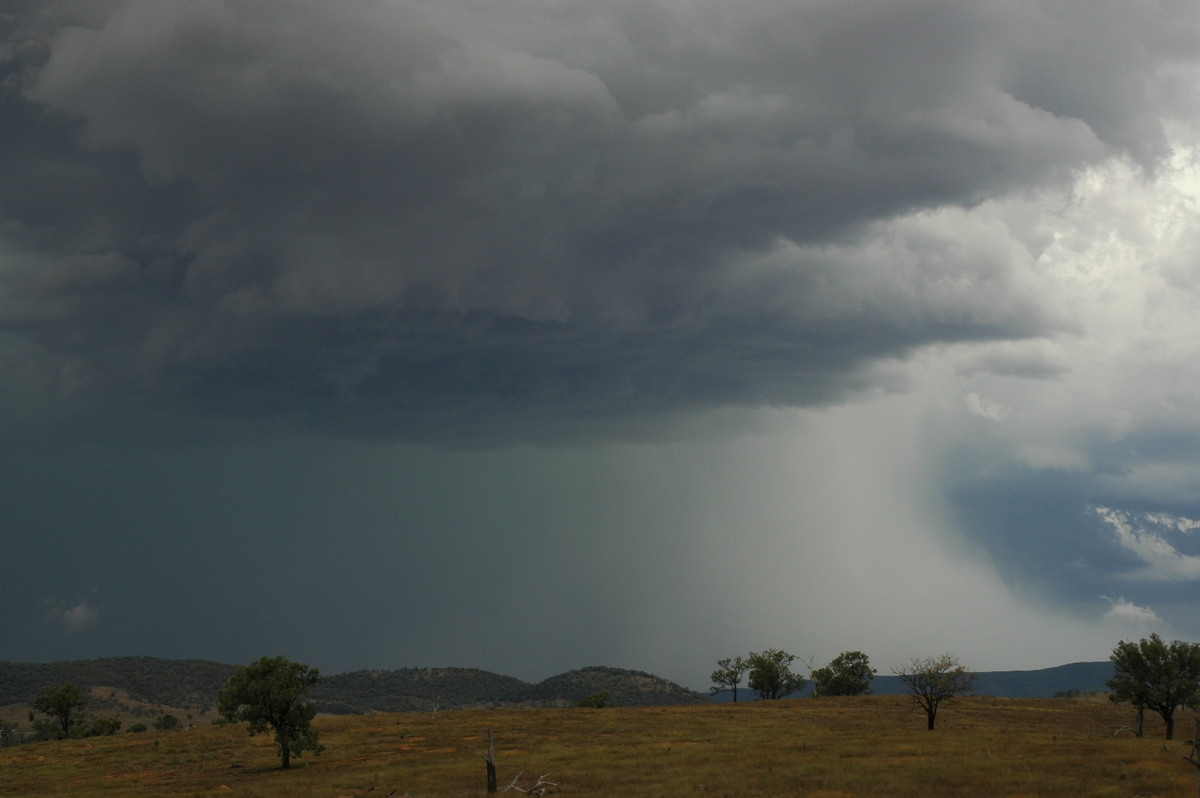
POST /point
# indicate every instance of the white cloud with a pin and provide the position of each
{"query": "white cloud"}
(83, 614)
(1124, 613)
(1164, 563)
(986, 408)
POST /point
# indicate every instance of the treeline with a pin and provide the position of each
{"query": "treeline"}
(1150, 674)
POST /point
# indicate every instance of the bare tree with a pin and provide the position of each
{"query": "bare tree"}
(932, 680)
(729, 674)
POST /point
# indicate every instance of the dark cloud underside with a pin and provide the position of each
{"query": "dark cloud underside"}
(455, 221)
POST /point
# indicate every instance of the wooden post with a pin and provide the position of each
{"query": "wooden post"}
(491, 764)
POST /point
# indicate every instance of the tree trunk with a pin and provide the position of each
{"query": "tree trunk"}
(1169, 719)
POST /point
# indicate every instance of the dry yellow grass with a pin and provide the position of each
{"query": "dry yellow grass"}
(833, 747)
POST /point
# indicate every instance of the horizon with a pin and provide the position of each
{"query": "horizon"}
(529, 334)
(709, 690)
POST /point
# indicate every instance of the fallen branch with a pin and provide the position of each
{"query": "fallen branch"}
(1118, 729)
(536, 789)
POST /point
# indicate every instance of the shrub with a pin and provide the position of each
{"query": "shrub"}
(166, 722)
(595, 700)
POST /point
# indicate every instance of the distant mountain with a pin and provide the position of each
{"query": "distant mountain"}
(138, 682)
(142, 683)
(175, 683)
(625, 688)
(416, 690)
(1086, 677)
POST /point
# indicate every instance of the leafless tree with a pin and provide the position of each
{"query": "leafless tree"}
(933, 680)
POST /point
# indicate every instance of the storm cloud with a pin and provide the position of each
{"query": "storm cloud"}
(409, 220)
(612, 225)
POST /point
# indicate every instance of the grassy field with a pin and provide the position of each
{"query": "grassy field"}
(875, 745)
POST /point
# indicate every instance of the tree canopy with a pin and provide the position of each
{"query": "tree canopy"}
(729, 674)
(1154, 675)
(270, 693)
(849, 673)
(934, 680)
(62, 703)
(771, 675)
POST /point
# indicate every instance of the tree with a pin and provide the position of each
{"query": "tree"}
(269, 693)
(771, 675)
(729, 674)
(103, 726)
(166, 722)
(62, 703)
(933, 680)
(1151, 674)
(850, 673)
(597, 700)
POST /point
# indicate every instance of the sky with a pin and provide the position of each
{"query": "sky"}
(534, 335)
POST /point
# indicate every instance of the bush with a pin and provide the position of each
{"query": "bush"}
(166, 722)
(102, 727)
(595, 700)
(138, 728)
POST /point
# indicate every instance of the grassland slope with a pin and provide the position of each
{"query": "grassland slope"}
(818, 748)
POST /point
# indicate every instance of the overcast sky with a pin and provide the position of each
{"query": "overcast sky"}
(538, 334)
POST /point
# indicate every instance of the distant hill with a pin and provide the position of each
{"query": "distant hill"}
(1086, 677)
(136, 683)
(625, 689)
(176, 683)
(416, 690)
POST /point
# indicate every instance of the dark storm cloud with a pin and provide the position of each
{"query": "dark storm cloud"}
(491, 222)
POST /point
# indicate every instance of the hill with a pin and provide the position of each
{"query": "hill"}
(187, 684)
(146, 685)
(625, 688)
(1086, 677)
(416, 690)
(142, 685)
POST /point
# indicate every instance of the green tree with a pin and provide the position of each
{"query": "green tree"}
(934, 680)
(103, 726)
(1151, 674)
(597, 700)
(62, 703)
(850, 673)
(166, 722)
(269, 693)
(771, 675)
(729, 674)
